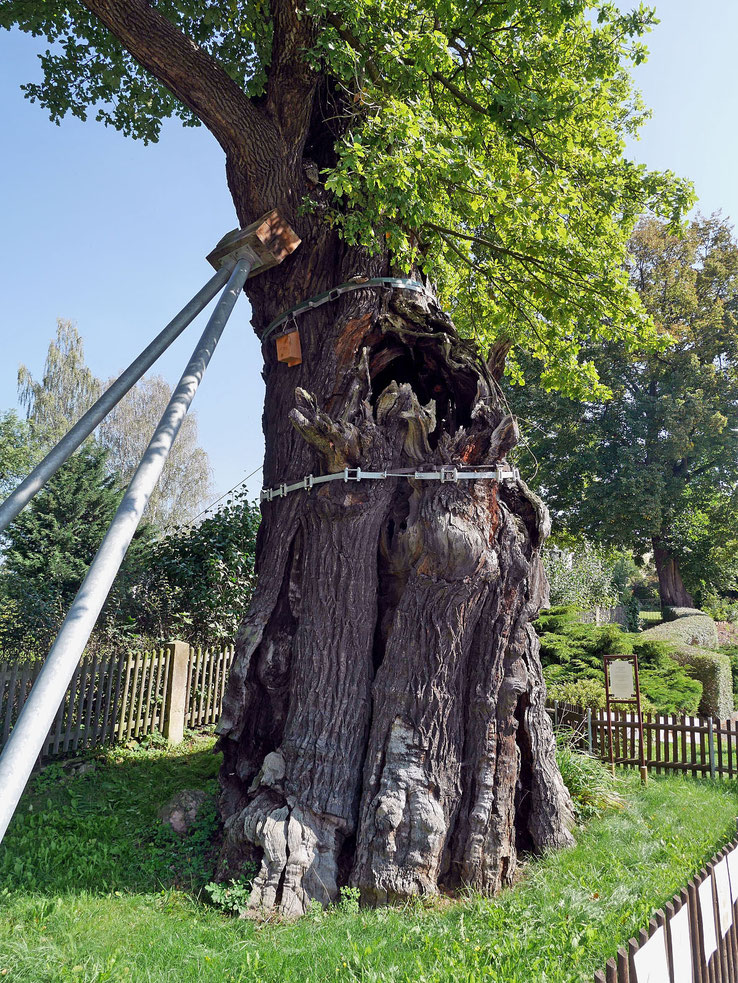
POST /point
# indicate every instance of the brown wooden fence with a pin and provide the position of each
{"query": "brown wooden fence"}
(692, 745)
(693, 939)
(123, 697)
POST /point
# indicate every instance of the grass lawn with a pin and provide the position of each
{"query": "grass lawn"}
(93, 889)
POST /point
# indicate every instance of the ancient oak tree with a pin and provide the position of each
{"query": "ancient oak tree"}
(384, 723)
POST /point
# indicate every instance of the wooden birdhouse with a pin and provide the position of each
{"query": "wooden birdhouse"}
(288, 348)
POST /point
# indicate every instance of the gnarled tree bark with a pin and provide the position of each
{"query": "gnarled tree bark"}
(384, 724)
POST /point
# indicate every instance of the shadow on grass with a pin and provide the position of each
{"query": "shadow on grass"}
(99, 831)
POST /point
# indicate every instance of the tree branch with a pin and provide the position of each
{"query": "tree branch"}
(291, 79)
(189, 72)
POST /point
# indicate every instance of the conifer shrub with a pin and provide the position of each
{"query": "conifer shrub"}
(571, 654)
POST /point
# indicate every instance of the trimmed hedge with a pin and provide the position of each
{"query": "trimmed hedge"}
(694, 629)
(693, 635)
(714, 672)
(673, 614)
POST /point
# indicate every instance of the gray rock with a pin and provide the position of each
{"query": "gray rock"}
(183, 809)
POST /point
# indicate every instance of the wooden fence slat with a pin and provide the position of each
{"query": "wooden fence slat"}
(158, 700)
(730, 748)
(165, 685)
(623, 969)
(206, 683)
(108, 704)
(212, 686)
(140, 694)
(69, 709)
(98, 705)
(89, 693)
(200, 683)
(147, 713)
(125, 700)
(55, 741)
(9, 713)
(117, 709)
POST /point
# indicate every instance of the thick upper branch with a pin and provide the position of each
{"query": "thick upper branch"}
(291, 79)
(188, 71)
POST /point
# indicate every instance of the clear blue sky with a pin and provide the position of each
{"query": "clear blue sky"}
(114, 235)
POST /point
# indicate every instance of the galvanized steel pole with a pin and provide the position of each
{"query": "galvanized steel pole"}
(29, 734)
(110, 398)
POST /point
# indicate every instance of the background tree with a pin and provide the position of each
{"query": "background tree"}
(17, 451)
(196, 582)
(656, 465)
(49, 547)
(68, 388)
(185, 482)
(385, 716)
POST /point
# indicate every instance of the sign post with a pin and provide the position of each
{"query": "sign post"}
(622, 686)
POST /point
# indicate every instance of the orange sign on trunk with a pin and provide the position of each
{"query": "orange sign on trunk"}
(288, 348)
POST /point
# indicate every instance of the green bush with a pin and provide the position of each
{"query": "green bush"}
(579, 693)
(713, 670)
(731, 653)
(720, 608)
(571, 654)
(695, 629)
(584, 576)
(588, 693)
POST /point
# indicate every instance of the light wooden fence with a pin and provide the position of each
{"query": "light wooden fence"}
(123, 697)
(693, 939)
(695, 745)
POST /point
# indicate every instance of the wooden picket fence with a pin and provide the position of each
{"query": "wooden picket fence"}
(693, 938)
(694, 745)
(122, 697)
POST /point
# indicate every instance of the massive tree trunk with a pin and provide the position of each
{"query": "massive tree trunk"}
(672, 591)
(384, 721)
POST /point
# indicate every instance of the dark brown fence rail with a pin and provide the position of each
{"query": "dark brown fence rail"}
(692, 745)
(122, 697)
(693, 939)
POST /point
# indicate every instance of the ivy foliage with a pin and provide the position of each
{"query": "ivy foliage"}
(482, 142)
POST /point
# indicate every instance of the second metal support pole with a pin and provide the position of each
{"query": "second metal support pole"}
(33, 724)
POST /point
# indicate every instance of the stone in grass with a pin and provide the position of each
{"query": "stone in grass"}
(182, 810)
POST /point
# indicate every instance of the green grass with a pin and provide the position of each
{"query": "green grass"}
(91, 892)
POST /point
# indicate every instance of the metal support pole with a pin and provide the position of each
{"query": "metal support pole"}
(29, 734)
(82, 429)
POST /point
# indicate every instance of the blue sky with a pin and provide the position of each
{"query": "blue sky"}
(113, 234)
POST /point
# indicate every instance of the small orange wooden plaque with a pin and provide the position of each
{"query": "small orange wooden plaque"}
(288, 348)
